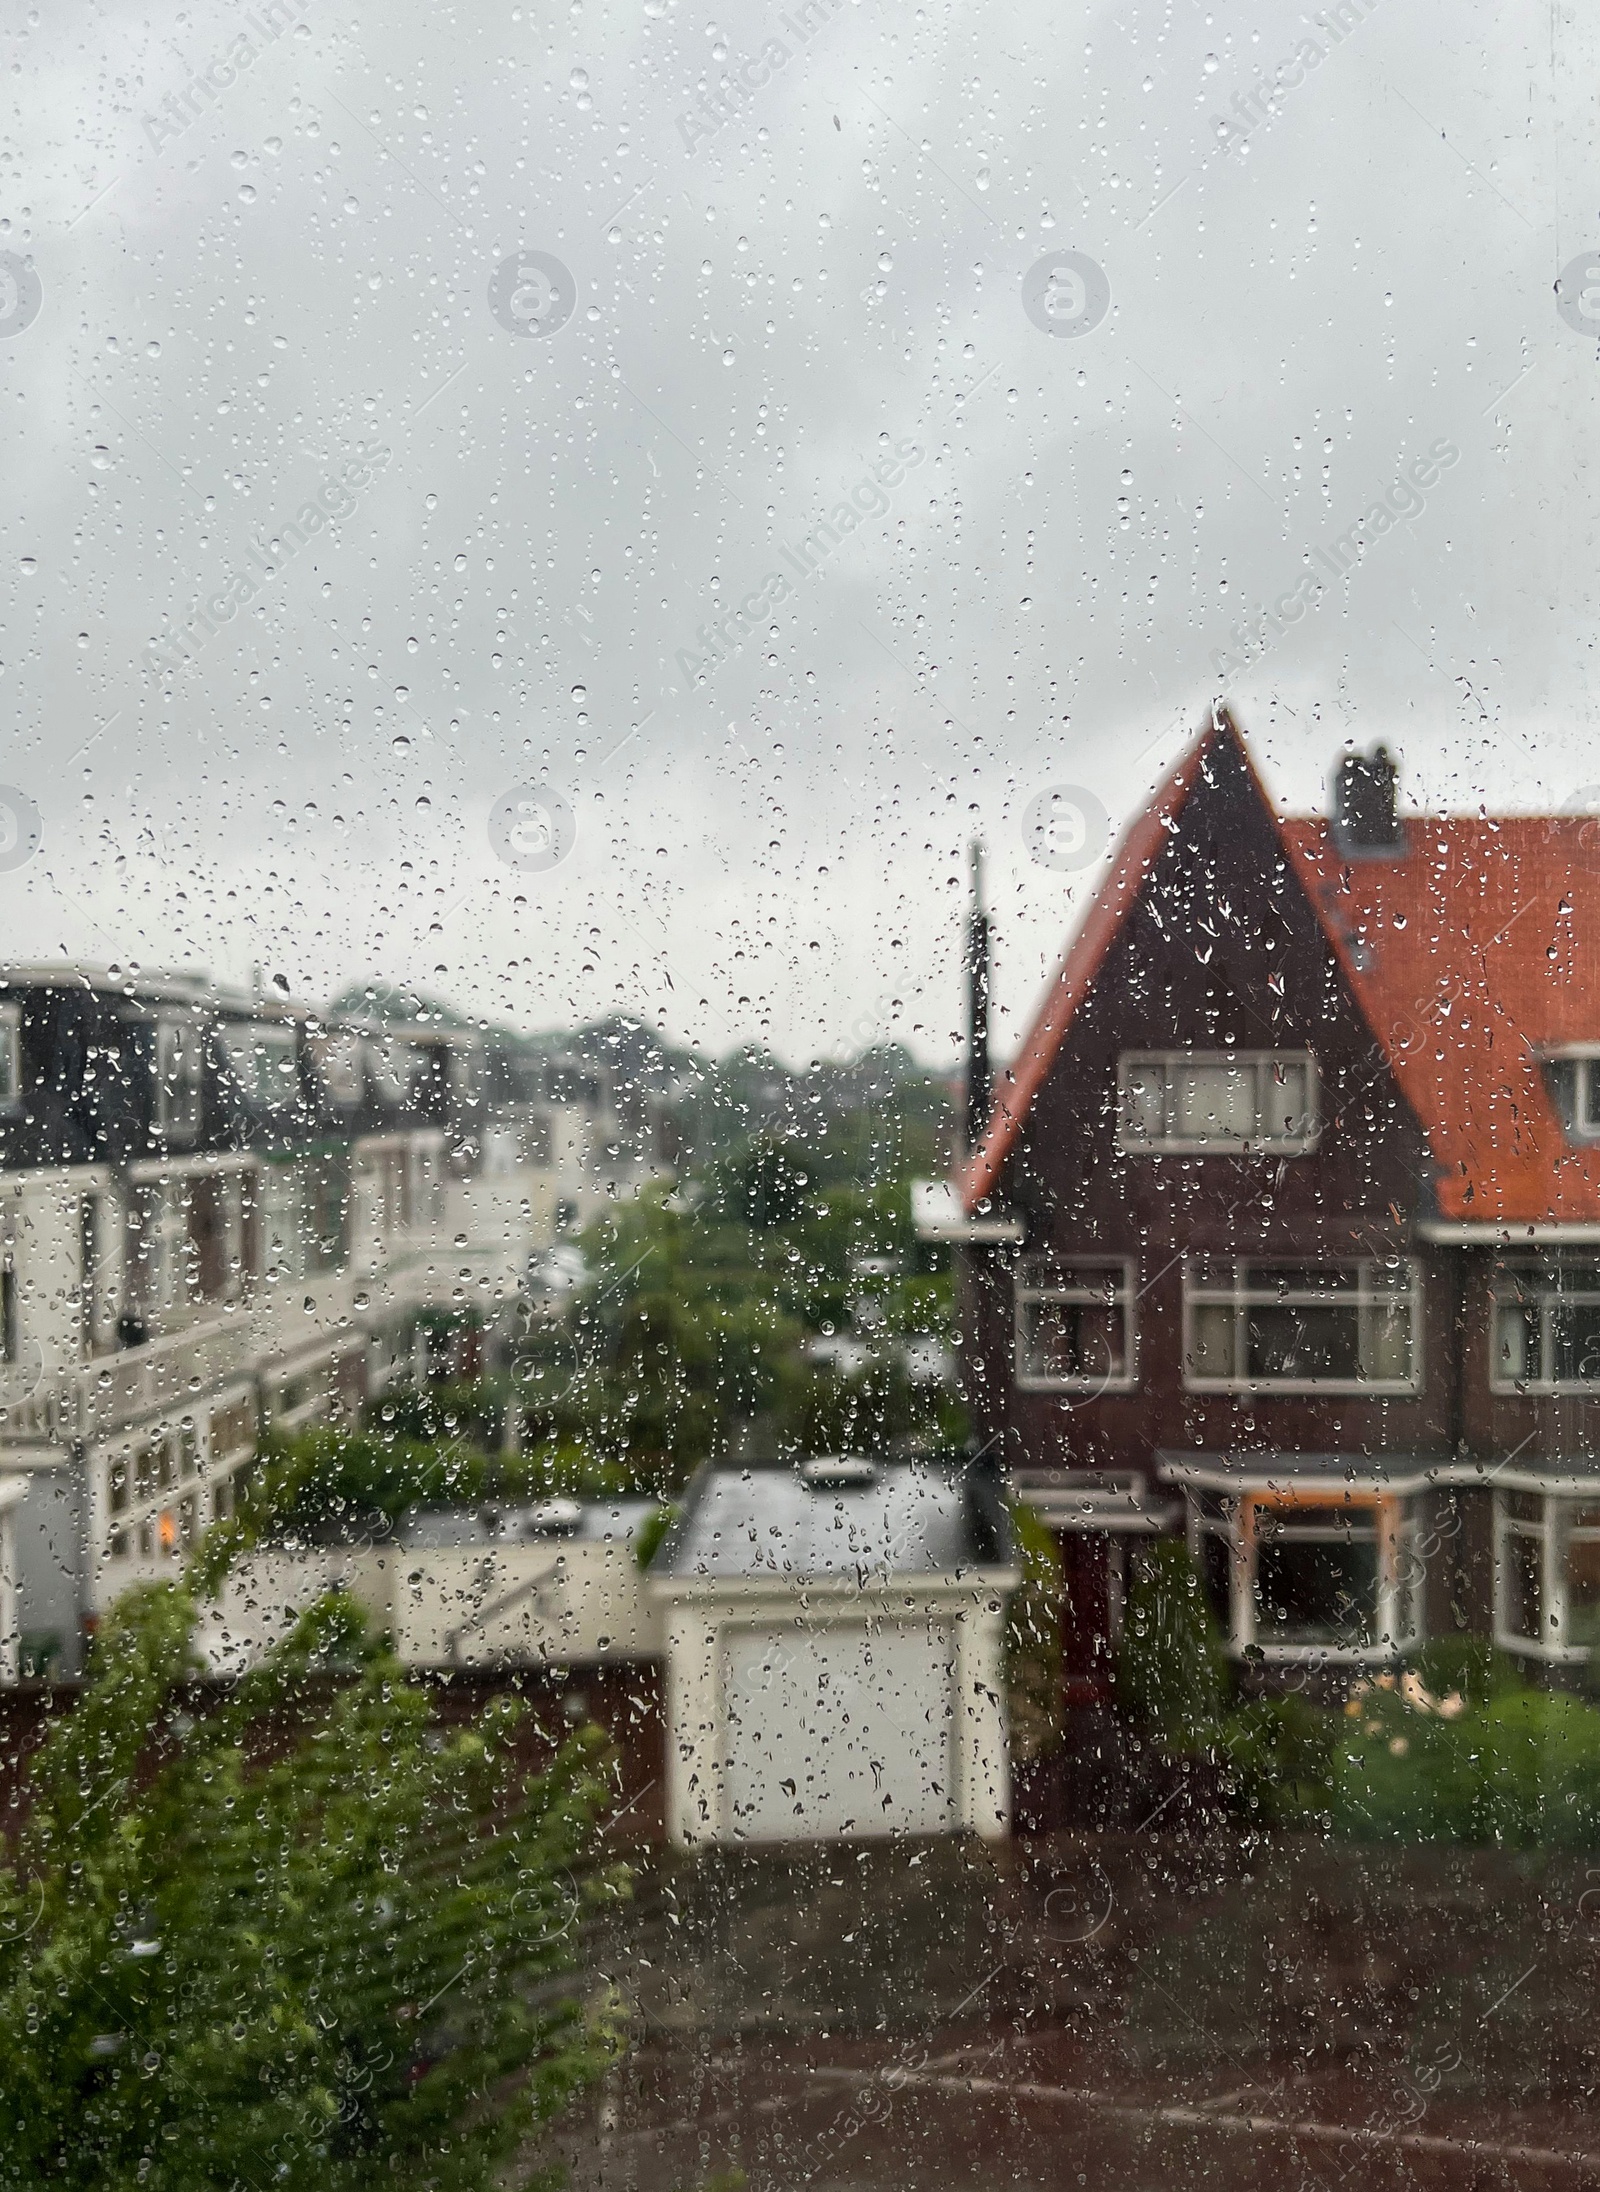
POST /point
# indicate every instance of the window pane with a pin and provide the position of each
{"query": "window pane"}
(1211, 1341)
(1522, 1556)
(1581, 1574)
(1285, 1088)
(1076, 1340)
(1317, 1591)
(1591, 1096)
(1575, 1343)
(1143, 1103)
(1516, 1344)
(1303, 1343)
(1388, 1348)
(1214, 1103)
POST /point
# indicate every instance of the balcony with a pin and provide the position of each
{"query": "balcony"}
(103, 1396)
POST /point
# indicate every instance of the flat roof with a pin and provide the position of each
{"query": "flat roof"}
(844, 1518)
(551, 1522)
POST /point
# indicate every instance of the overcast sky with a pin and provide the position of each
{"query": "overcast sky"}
(290, 292)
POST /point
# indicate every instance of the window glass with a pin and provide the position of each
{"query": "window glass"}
(1073, 1323)
(1249, 1101)
(264, 1060)
(179, 1056)
(1283, 1325)
(1547, 1324)
(1317, 1579)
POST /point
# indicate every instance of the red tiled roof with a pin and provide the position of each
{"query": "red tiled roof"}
(1471, 954)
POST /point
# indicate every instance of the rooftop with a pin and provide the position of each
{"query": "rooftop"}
(1469, 947)
(839, 1518)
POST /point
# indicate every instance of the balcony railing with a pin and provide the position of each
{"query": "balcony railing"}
(165, 1375)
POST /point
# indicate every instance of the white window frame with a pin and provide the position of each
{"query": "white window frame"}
(1075, 1286)
(1584, 1059)
(180, 1483)
(179, 1120)
(1546, 1295)
(11, 1053)
(1552, 1531)
(1398, 1614)
(1258, 1062)
(1241, 1298)
(158, 1218)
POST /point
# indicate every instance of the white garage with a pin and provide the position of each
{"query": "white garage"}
(835, 1652)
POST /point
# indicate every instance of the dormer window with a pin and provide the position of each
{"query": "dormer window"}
(1219, 1103)
(1574, 1078)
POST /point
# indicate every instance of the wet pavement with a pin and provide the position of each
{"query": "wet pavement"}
(1098, 2011)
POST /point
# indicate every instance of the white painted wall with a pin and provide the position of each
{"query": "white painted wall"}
(556, 1602)
(833, 1643)
(574, 1603)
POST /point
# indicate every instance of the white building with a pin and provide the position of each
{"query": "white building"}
(220, 1211)
(835, 1646)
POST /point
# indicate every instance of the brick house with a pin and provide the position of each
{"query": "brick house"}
(1282, 1227)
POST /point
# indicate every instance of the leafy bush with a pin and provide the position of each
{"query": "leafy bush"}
(332, 1476)
(648, 1538)
(442, 1414)
(1467, 1667)
(1172, 1673)
(1522, 1770)
(326, 1960)
(1033, 1642)
(1280, 1752)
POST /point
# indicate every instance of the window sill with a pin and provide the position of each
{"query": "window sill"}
(1290, 1388)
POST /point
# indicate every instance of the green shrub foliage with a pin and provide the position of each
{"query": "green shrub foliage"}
(309, 1940)
(1172, 1672)
(1033, 1642)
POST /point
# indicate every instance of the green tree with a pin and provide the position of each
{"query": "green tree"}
(307, 1941)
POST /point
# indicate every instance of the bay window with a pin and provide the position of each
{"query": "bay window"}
(1314, 1571)
(1547, 1574)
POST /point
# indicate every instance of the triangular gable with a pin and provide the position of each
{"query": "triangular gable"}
(1142, 845)
(1469, 955)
